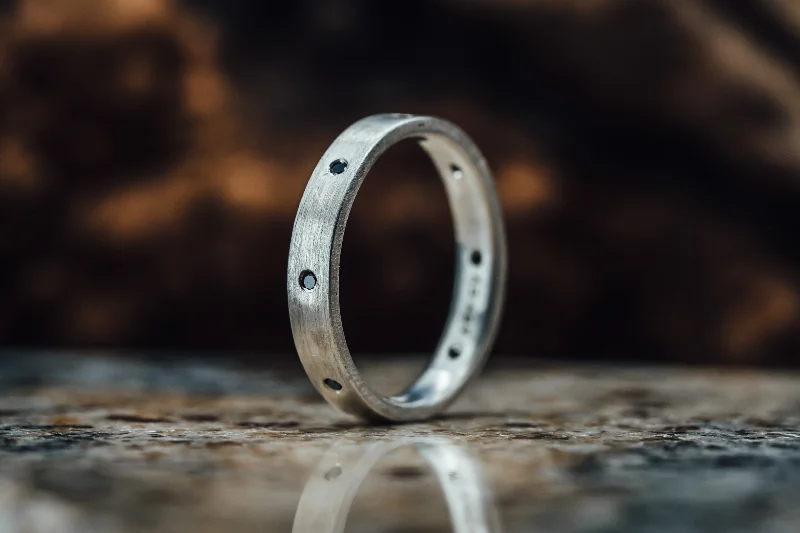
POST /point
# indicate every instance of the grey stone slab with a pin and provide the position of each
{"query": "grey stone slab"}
(91, 444)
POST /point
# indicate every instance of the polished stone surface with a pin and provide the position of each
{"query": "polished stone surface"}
(102, 444)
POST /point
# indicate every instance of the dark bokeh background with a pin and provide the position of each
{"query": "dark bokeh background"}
(647, 154)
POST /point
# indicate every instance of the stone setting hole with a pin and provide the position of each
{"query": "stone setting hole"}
(333, 473)
(338, 166)
(476, 257)
(332, 384)
(308, 281)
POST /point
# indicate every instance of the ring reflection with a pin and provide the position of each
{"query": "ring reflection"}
(331, 489)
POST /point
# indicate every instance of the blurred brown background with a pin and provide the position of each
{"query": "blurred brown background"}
(647, 153)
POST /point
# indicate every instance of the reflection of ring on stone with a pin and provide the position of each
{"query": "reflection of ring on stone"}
(313, 274)
(329, 492)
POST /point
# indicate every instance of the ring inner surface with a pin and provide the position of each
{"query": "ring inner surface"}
(463, 340)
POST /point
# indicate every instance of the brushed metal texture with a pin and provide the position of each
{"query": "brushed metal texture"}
(316, 246)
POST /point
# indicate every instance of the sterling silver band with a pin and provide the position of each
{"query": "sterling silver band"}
(315, 250)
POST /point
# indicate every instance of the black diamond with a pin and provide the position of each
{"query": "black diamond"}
(338, 166)
(308, 280)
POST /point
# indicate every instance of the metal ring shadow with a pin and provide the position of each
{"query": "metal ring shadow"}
(331, 489)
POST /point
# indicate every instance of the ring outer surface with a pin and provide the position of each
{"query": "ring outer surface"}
(316, 246)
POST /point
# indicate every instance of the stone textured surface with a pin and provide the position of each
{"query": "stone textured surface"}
(103, 444)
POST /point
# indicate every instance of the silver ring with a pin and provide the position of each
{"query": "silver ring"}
(315, 250)
(332, 487)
